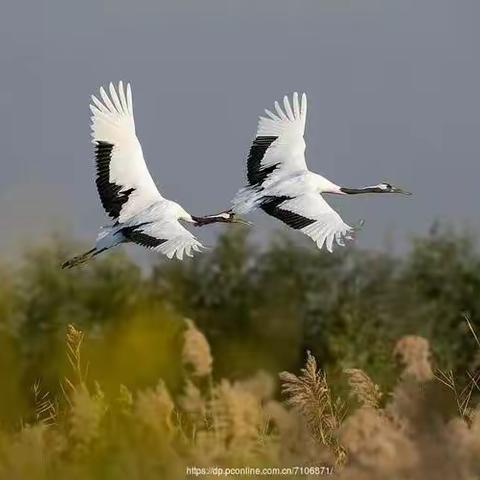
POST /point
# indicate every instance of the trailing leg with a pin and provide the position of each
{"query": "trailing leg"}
(84, 257)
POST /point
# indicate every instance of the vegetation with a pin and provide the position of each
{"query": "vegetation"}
(103, 375)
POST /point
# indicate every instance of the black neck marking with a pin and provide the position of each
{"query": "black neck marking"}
(355, 191)
(201, 221)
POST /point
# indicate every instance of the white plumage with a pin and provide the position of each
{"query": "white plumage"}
(280, 183)
(289, 128)
(113, 122)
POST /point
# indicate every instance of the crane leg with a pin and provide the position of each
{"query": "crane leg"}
(84, 257)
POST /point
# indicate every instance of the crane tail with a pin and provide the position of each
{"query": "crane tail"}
(79, 259)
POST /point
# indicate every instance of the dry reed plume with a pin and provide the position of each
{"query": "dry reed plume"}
(196, 351)
(310, 395)
(362, 387)
(408, 433)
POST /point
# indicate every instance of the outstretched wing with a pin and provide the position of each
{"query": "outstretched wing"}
(279, 143)
(311, 214)
(123, 180)
(167, 236)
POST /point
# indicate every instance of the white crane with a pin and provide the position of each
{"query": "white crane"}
(128, 194)
(280, 183)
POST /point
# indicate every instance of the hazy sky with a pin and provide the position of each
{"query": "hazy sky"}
(393, 86)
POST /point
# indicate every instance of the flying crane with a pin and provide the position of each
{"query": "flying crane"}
(280, 183)
(140, 214)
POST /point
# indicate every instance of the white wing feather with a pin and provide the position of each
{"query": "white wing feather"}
(159, 229)
(178, 241)
(113, 122)
(328, 228)
(288, 150)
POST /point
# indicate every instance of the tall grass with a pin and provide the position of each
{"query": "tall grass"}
(424, 428)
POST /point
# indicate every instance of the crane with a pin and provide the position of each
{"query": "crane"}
(280, 183)
(140, 214)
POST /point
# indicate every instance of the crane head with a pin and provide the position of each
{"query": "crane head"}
(389, 188)
(222, 217)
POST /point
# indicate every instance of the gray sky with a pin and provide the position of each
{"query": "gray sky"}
(393, 85)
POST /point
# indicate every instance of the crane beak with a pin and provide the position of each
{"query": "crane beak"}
(241, 221)
(400, 190)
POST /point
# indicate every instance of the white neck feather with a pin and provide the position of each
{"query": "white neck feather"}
(326, 186)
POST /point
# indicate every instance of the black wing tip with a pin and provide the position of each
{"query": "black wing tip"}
(272, 206)
(136, 235)
(256, 175)
(112, 196)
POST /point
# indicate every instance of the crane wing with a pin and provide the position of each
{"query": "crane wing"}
(123, 180)
(279, 143)
(167, 236)
(312, 215)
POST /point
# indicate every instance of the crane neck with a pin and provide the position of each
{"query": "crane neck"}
(224, 217)
(357, 191)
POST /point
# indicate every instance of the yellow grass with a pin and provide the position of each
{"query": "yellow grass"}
(412, 432)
